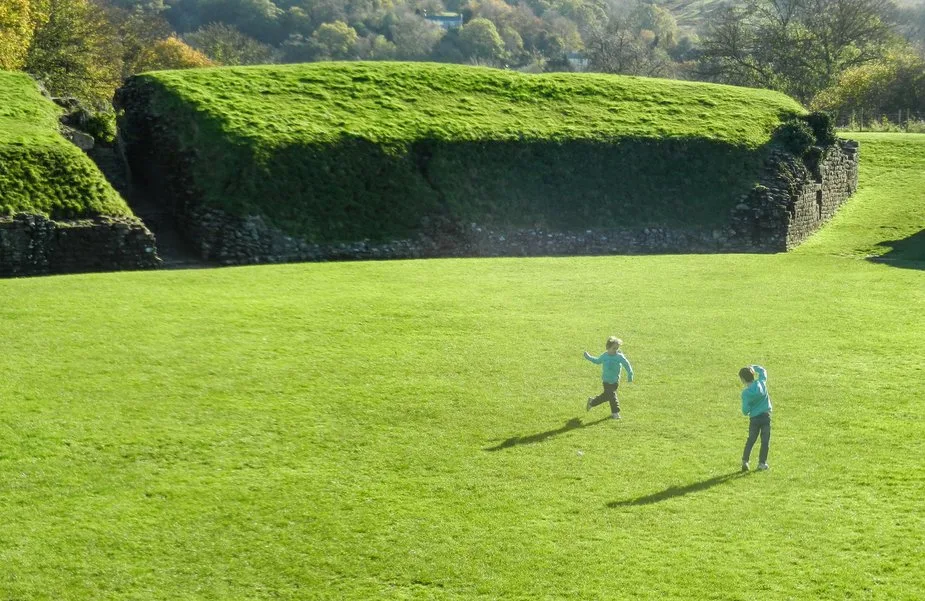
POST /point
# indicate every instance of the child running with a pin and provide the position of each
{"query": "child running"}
(756, 404)
(613, 361)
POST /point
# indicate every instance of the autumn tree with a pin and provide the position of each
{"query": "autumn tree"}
(76, 51)
(171, 53)
(17, 26)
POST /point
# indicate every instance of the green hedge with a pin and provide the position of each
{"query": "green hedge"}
(40, 171)
(348, 151)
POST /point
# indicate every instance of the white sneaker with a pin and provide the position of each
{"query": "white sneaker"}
(762, 467)
(588, 406)
(744, 466)
(615, 415)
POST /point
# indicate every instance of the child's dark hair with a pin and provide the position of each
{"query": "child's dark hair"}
(747, 374)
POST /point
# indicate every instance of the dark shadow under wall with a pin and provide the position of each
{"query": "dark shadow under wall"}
(908, 253)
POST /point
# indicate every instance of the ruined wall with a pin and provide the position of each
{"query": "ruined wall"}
(34, 245)
(790, 202)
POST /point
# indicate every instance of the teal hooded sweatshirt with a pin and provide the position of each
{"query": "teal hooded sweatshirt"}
(755, 397)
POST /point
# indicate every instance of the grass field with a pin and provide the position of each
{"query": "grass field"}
(40, 171)
(416, 429)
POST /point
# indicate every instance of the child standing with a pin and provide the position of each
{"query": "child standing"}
(756, 404)
(613, 361)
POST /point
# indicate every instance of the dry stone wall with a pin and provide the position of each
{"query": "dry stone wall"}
(34, 245)
(790, 202)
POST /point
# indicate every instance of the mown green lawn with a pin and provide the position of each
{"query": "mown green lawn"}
(416, 429)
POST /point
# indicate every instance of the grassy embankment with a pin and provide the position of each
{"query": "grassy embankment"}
(416, 429)
(40, 171)
(364, 150)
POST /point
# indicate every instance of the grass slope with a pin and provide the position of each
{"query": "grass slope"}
(891, 196)
(399, 103)
(40, 171)
(416, 429)
(350, 151)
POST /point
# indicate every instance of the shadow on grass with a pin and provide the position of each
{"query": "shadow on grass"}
(908, 252)
(678, 491)
(573, 424)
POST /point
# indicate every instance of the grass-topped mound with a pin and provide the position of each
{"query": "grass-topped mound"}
(40, 171)
(342, 151)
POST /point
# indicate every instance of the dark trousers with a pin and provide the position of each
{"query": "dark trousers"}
(760, 424)
(609, 394)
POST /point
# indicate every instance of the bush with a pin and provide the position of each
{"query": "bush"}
(823, 126)
(796, 136)
(102, 126)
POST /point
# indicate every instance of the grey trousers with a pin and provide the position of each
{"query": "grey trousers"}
(610, 395)
(758, 425)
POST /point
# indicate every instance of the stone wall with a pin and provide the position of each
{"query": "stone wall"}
(791, 200)
(34, 245)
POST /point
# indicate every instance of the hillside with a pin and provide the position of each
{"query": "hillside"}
(40, 171)
(348, 151)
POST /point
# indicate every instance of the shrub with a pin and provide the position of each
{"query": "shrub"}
(796, 136)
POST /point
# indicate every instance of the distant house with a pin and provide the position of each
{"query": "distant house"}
(446, 21)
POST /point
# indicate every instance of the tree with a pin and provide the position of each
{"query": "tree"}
(614, 47)
(334, 40)
(796, 46)
(171, 53)
(890, 85)
(138, 30)
(481, 41)
(227, 46)
(16, 29)
(76, 52)
(414, 37)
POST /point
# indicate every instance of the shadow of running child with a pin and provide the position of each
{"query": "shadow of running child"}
(572, 424)
(679, 491)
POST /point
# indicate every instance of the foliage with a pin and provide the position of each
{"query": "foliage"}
(138, 31)
(796, 136)
(798, 48)
(76, 52)
(16, 30)
(480, 40)
(41, 172)
(102, 126)
(171, 54)
(416, 429)
(380, 145)
(334, 40)
(894, 83)
(225, 45)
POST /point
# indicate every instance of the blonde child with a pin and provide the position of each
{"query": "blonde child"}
(613, 361)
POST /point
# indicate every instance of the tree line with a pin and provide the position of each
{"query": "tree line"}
(851, 57)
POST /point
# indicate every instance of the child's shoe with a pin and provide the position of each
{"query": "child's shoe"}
(744, 466)
(615, 415)
(588, 406)
(762, 467)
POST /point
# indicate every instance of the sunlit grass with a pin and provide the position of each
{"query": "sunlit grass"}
(416, 430)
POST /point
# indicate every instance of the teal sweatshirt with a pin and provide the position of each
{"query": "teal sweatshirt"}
(755, 397)
(612, 364)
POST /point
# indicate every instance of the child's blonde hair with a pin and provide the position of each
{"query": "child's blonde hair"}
(613, 341)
